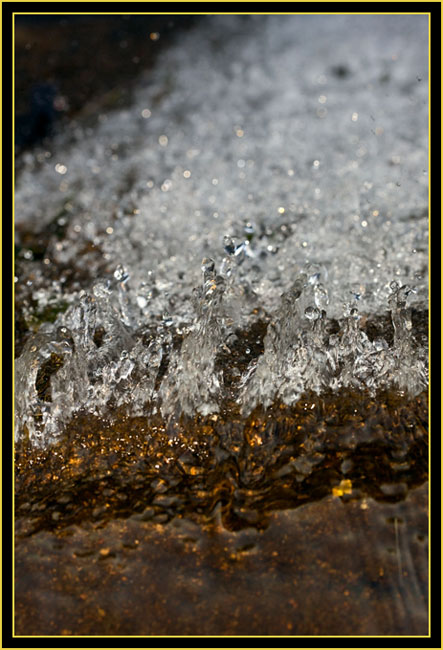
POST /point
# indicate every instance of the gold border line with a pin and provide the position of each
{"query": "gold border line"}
(1, 283)
(429, 321)
(13, 324)
(214, 636)
(218, 13)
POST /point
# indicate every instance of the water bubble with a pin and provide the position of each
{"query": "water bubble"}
(102, 289)
(226, 267)
(240, 251)
(314, 272)
(312, 313)
(229, 245)
(249, 228)
(141, 302)
(207, 266)
(314, 278)
(405, 290)
(358, 290)
(121, 274)
(321, 296)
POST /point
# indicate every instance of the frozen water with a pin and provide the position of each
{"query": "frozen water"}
(290, 155)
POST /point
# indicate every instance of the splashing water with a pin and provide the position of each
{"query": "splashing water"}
(312, 223)
(123, 368)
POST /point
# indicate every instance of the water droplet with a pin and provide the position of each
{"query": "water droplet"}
(207, 266)
(321, 296)
(249, 230)
(229, 245)
(240, 250)
(102, 289)
(312, 313)
(121, 274)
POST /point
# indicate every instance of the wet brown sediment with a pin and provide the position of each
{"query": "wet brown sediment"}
(275, 459)
(328, 567)
(222, 526)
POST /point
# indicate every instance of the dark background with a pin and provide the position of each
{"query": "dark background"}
(76, 66)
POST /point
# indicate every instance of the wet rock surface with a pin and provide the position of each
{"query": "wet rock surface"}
(328, 567)
(241, 469)
(229, 527)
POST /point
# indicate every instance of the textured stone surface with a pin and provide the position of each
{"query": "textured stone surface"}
(330, 567)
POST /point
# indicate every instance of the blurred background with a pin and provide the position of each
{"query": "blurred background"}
(74, 66)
